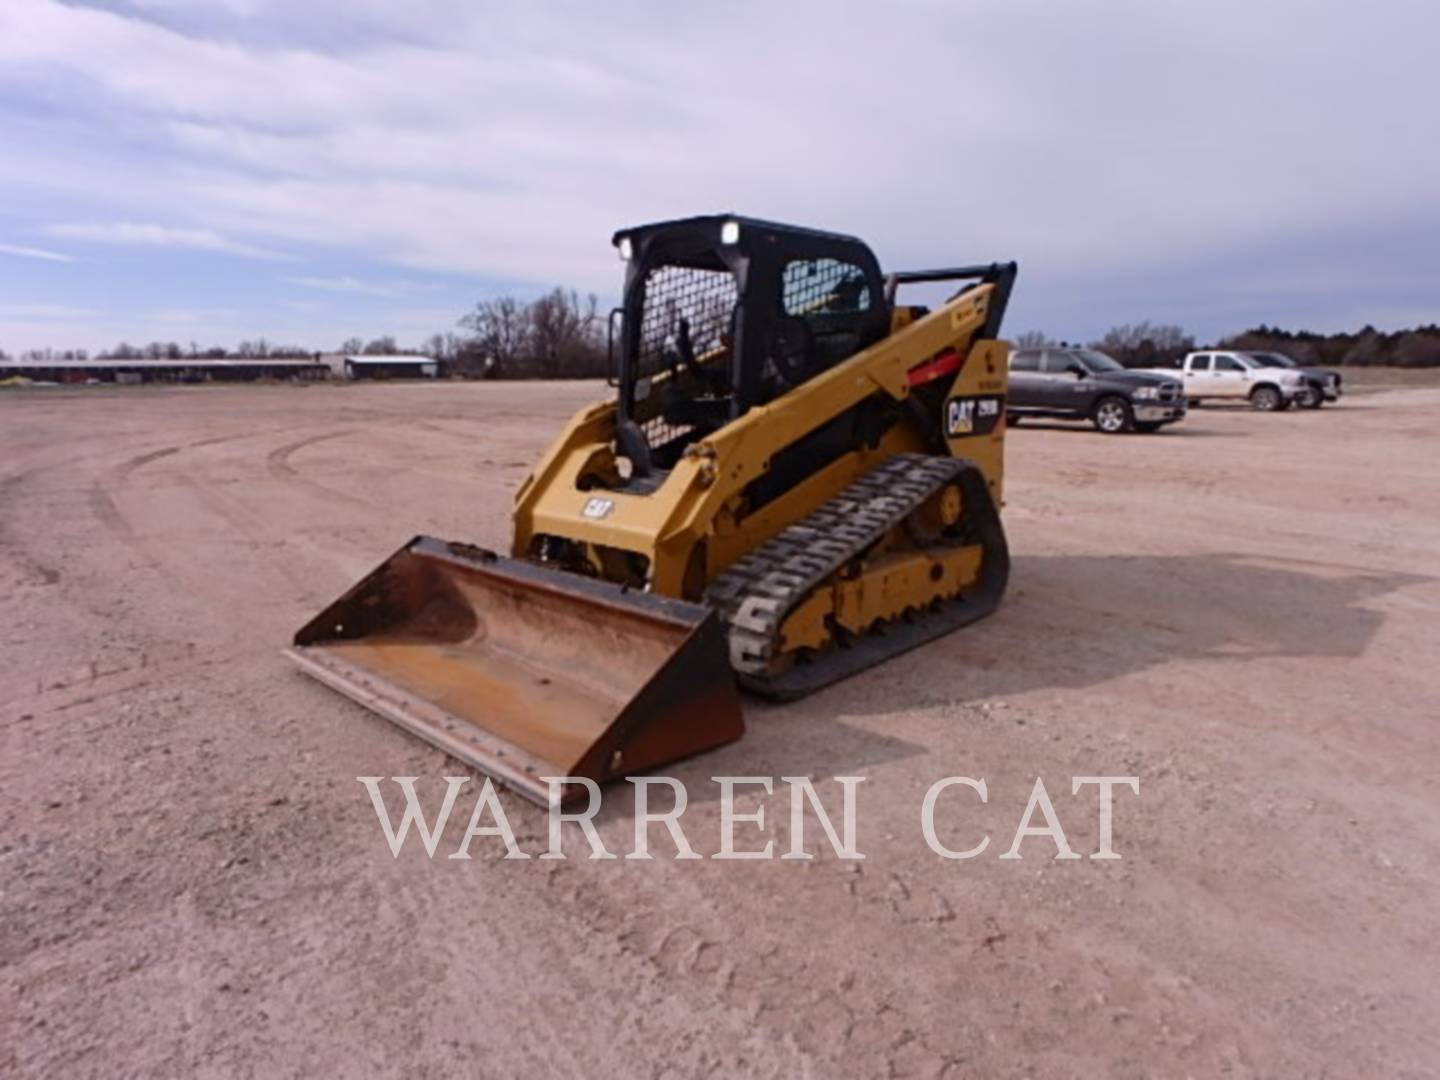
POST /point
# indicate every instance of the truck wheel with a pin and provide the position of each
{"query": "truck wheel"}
(1266, 399)
(1312, 397)
(1113, 415)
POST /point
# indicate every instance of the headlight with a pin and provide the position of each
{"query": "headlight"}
(1146, 393)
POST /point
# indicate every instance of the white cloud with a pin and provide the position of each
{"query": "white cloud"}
(128, 234)
(347, 284)
(34, 253)
(43, 311)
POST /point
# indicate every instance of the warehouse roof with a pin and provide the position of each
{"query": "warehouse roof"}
(389, 359)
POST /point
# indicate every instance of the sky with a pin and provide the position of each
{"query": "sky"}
(308, 171)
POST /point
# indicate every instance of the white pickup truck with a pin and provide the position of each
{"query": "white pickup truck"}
(1217, 374)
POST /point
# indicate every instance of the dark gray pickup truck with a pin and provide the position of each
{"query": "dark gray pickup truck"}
(1083, 384)
(1321, 384)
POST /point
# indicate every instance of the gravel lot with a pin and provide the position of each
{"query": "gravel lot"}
(1242, 612)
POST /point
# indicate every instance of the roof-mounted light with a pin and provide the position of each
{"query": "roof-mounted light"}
(626, 250)
(730, 232)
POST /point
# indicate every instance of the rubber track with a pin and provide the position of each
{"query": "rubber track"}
(758, 592)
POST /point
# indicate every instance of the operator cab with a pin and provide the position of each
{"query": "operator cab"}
(722, 313)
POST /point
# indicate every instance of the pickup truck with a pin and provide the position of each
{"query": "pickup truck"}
(1322, 384)
(1218, 375)
(1084, 384)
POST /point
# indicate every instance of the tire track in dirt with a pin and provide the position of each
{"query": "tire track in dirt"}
(248, 527)
(233, 514)
(129, 674)
(10, 542)
(107, 510)
(141, 460)
(277, 464)
(14, 549)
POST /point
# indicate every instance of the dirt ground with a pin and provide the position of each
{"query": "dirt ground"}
(1242, 612)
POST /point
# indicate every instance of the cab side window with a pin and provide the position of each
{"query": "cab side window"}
(823, 287)
(1200, 363)
(1058, 362)
(1025, 360)
(1228, 363)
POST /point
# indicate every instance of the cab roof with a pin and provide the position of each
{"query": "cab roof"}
(750, 228)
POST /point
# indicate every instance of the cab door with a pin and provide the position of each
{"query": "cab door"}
(1026, 384)
(1064, 390)
(1197, 376)
(1231, 378)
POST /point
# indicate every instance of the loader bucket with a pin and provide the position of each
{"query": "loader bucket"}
(526, 672)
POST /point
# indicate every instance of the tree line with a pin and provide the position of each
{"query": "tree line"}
(557, 336)
(166, 350)
(1146, 344)
(1367, 347)
(562, 335)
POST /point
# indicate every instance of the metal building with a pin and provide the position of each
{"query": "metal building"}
(391, 367)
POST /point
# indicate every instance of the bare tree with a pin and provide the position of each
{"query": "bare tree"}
(1033, 339)
(501, 329)
(441, 346)
(381, 346)
(351, 346)
(555, 337)
(1145, 343)
(563, 336)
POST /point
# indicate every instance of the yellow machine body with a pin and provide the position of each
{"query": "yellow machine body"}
(699, 511)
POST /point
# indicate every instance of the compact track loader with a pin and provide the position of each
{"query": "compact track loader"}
(796, 478)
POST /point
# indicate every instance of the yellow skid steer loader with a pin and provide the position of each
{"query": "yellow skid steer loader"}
(796, 478)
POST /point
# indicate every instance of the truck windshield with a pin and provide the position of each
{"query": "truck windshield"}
(1098, 361)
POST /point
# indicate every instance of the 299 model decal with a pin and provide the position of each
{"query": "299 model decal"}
(973, 414)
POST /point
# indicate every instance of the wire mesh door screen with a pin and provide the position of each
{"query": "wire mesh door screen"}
(820, 286)
(706, 300)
